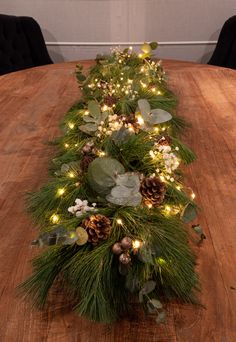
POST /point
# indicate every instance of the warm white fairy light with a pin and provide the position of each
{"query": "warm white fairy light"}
(119, 221)
(140, 55)
(71, 174)
(55, 218)
(162, 178)
(104, 108)
(158, 92)
(71, 125)
(101, 153)
(149, 205)
(66, 145)
(60, 191)
(140, 120)
(143, 84)
(152, 154)
(193, 195)
(178, 187)
(153, 90)
(136, 244)
(86, 112)
(130, 81)
(168, 208)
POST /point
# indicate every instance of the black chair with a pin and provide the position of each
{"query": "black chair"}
(225, 51)
(22, 44)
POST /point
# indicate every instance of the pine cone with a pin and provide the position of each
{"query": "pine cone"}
(164, 140)
(132, 120)
(153, 191)
(98, 228)
(109, 100)
(85, 161)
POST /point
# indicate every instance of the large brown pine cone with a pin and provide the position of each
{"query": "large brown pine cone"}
(98, 228)
(153, 191)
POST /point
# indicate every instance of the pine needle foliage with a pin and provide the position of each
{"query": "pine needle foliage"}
(125, 122)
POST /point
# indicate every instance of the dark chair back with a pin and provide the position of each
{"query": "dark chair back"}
(21, 44)
(225, 51)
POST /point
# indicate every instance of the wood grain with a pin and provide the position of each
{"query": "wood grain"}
(32, 102)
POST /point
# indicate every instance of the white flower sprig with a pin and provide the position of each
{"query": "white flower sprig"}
(81, 207)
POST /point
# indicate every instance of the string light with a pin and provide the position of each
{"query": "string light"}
(136, 244)
(158, 92)
(193, 195)
(60, 191)
(156, 129)
(143, 84)
(71, 174)
(101, 153)
(140, 55)
(104, 108)
(167, 208)
(55, 218)
(149, 205)
(162, 178)
(140, 120)
(178, 187)
(66, 145)
(86, 112)
(71, 125)
(153, 90)
(119, 221)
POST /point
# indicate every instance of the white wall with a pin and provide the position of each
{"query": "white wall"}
(191, 25)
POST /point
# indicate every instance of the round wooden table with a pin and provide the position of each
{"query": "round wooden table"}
(32, 103)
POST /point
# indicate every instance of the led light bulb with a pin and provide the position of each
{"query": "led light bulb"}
(60, 191)
(136, 244)
(119, 221)
(71, 174)
(55, 218)
(71, 125)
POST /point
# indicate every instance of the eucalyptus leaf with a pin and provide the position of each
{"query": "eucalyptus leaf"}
(121, 136)
(129, 180)
(148, 287)
(161, 318)
(144, 107)
(126, 192)
(80, 76)
(189, 213)
(88, 128)
(158, 116)
(82, 236)
(94, 109)
(132, 283)
(156, 303)
(102, 173)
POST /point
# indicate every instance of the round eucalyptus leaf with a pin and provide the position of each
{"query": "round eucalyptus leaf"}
(82, 236)
(102, 173)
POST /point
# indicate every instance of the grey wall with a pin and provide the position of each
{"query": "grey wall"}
(186, 29)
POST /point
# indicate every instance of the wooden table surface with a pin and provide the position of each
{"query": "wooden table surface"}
(31, 104)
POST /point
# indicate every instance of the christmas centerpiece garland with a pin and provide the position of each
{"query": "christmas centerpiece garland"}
(112, 218)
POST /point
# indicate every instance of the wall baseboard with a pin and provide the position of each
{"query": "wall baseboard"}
(177, 43)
